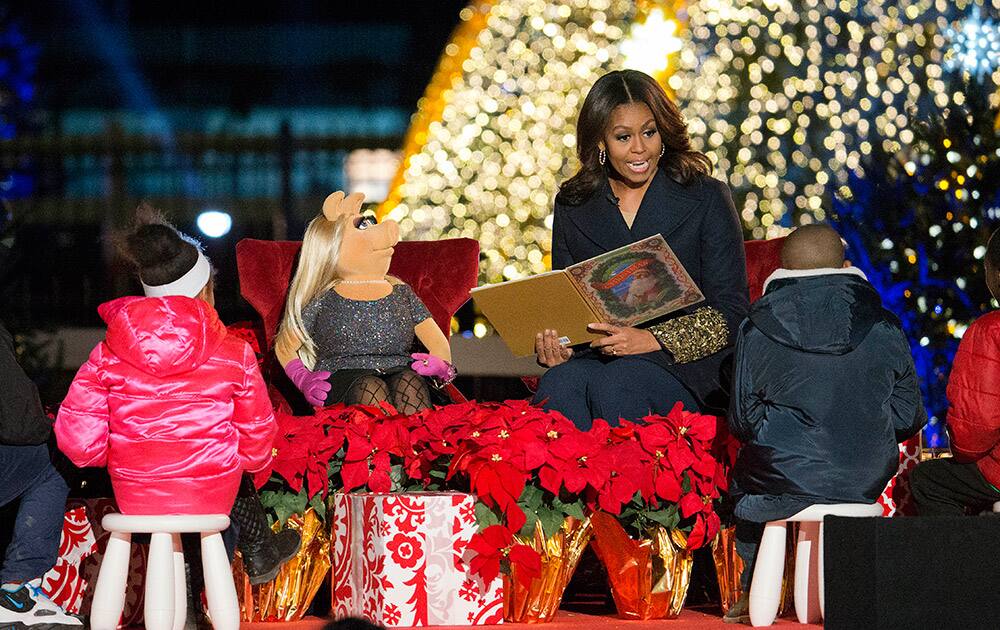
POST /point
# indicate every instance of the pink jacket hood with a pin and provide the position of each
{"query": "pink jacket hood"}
(162, 336)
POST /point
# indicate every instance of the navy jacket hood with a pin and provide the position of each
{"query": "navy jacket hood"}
(824, 314)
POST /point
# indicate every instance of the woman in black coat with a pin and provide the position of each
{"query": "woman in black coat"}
(639, 177)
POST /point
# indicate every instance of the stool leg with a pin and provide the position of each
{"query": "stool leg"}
(220, 590)
(109, 594)
(180, 585)
(159, 608)
(765, 589)
(820, 577)
(806, 573)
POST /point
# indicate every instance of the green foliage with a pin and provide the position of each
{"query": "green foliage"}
(282, 503)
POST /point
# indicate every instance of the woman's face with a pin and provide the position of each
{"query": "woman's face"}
(632, 143)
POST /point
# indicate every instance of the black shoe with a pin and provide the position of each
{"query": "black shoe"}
(263, 562)
(740, 612)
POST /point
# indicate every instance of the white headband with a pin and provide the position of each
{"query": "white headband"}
(188, 285)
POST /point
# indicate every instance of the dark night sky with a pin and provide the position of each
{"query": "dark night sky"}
(288, 53)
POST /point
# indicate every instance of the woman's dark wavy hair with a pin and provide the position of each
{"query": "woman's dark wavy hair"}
(622, 87)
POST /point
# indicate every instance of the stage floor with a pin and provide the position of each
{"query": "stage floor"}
(692, 619)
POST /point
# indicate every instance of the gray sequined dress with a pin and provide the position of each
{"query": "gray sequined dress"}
(364, 334)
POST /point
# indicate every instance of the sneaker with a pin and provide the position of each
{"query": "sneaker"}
(28, 607)
(740, 612)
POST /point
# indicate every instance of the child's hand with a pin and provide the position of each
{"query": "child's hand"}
(429, 365)
(313, 385)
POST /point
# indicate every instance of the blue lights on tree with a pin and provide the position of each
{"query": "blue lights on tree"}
(917, 226)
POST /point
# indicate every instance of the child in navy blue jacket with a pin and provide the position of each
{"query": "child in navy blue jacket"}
(824, 389)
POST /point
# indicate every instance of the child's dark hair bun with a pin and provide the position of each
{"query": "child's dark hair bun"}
(158, 251)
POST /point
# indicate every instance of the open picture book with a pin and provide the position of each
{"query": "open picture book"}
(626, 286)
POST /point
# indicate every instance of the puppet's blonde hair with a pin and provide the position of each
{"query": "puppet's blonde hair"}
(316, 272)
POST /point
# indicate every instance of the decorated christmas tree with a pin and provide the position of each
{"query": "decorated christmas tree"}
(494, 134)
(790, 96)
(917, 224)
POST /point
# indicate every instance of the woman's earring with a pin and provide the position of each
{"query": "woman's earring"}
(663, 149)
(602, 157)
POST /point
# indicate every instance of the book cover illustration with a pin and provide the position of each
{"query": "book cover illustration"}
(636, 283)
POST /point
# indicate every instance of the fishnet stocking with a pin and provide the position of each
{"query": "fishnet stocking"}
(367, 390)
(410, 392)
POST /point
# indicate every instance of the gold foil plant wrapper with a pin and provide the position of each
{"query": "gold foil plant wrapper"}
(287, 597)
(729, 567)
(538, 601)
(649, 577)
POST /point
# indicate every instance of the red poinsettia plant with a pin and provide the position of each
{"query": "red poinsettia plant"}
(527, 466)
(664, 473)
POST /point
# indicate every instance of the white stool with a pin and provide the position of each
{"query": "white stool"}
(765, 590)
(166, 593)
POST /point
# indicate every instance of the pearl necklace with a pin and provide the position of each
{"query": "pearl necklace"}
(383, 280)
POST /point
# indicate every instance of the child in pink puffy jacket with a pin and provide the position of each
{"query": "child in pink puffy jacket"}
(176, 409)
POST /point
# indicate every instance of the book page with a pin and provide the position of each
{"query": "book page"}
(520, 309)
(636, 283)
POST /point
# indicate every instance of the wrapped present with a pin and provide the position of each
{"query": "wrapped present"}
(70, 583)
(398, 561)
(896, 499)
(64, 583)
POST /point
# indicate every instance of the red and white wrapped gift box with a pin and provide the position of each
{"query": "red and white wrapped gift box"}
(398, 561)
(70, 583)
(64, 583)
(896, 499)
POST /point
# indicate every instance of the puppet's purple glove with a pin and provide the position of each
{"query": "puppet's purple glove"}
(313, 385)
(435, 367)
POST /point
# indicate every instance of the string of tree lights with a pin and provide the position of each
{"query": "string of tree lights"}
(495, 133)
(789, 97)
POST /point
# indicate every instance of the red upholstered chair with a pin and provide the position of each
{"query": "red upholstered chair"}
(441, 273)
(763, 257)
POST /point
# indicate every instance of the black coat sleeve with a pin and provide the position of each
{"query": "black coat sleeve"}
(906, 402)
(560, 249)
(723, 281)
(723, 260)
(747, 406)
(22, 420)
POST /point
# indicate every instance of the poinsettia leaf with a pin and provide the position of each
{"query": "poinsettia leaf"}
(573, 508)
(284, 504)
(318, 504)
(628, 513)
(530, 496)
(667, 517)
(527, 530)
(396, 477)
(551, 519)
(485, 517)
